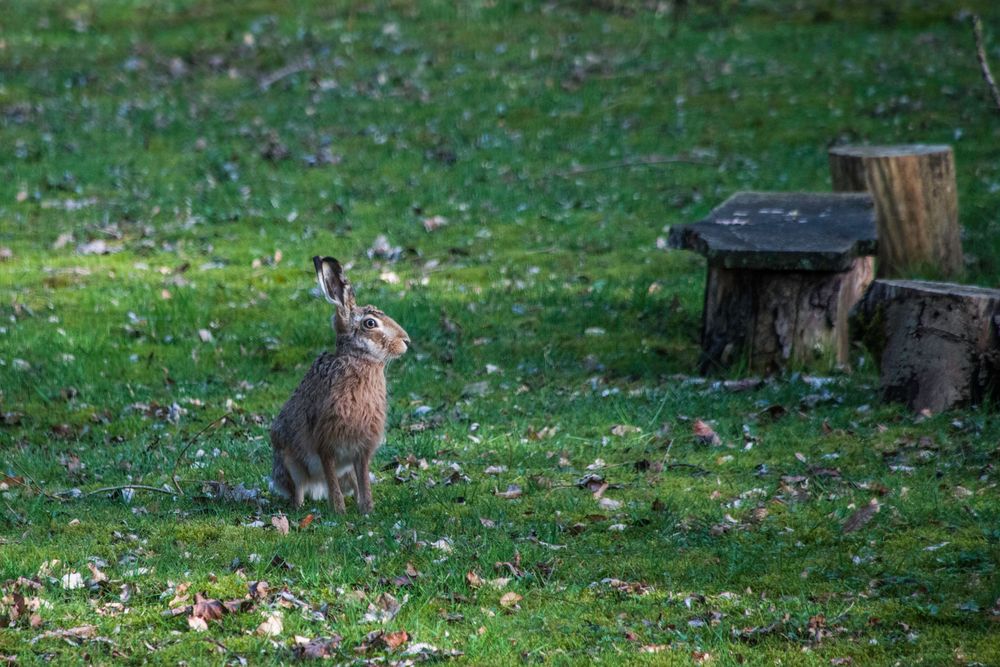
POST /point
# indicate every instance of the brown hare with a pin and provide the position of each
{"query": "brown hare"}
(328, 431)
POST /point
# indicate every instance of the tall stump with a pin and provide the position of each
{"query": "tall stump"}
(936, 344)
(916, 204)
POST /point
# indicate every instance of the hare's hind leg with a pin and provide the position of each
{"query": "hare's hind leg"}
(334, 493)
(363, 484)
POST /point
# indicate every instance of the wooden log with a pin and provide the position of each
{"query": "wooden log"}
(770, 318)
(936, 344)
(916, 204)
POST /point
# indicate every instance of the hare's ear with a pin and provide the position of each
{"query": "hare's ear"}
(334, 284)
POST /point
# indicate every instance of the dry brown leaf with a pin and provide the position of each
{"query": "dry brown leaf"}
(197, 624)
(394, 640)
(510, 599)
(704, 433)
(306, 521)
(316, 649)
(96, 574)
(861, 516)
(272, 625)
(473, 579)
(180, 594)
(280, 522)
(258, 589)
(207, 609)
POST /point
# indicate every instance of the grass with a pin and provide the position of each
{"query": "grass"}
(145, 125)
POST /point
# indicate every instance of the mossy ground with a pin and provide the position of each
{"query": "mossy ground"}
(146, 125)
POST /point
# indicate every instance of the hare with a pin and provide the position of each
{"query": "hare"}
(327, 432)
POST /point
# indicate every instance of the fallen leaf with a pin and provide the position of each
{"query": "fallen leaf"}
(98, 247)
(394, 640)
(513, 492)
(861, 516)
(72, 581)
(258, 589)
(434, 222)
(382, 249)
(280, 522)
(306, 521)
(609, 503)
(473, 579)
(197, 624)
(272, 626)
(98, 576)
(704, 434)
(207, 608)
(423, 651)
(383, 610)
(510, 599)
(180, 594)
(316, 649)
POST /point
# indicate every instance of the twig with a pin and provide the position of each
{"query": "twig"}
(286, 71)
(173, 471)
(645, 161)
(977, 32)
(134, 487)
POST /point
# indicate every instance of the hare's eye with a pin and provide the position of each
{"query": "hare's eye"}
(370, 323)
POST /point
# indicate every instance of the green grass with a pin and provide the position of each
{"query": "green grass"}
(144, 124)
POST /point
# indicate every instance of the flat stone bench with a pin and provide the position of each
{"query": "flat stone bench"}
(936, 344)
(784, 270)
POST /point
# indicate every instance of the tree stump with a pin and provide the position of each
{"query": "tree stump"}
(777, 317)
(916, 204)
(784, 270)
(936, 344)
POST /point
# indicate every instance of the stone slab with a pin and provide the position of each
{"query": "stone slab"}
(784, 231)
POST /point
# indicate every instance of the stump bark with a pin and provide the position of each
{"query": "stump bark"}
(936, 344)
(916, 204)
(778, 317)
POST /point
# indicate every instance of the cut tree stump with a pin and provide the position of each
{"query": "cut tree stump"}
(916, 204)
(784, 270)
(935, 344)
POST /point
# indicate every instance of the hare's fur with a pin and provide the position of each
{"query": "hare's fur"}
(327, 432)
